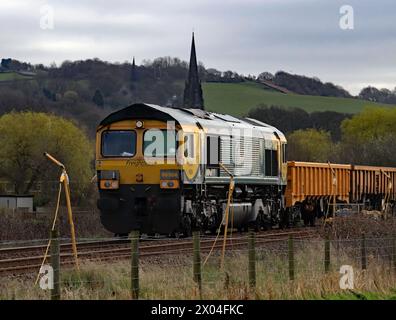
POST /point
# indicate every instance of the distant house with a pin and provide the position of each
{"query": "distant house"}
(16, 202)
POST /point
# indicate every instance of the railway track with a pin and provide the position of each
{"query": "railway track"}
(19, 260)
(64, 247)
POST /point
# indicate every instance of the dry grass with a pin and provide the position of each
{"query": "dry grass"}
(356, 224)
(171, 277)
(25, 226)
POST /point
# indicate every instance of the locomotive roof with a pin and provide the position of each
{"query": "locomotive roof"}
(184, 116)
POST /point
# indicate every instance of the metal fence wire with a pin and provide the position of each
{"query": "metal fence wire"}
(256, 265)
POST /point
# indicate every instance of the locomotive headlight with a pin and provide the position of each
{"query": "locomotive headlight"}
(109, 179)
(169, 184)
(169, 179)
(139, 124)
(109, 184)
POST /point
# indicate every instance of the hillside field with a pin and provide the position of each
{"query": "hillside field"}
(238, 98)
(10, 76)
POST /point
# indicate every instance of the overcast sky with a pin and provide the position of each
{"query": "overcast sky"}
(246, 36)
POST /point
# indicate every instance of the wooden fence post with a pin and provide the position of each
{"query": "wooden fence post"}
(363, 248)
(197, 261)
(327, 254)
(135, 264)
(291, 258)
(394, 252)
(55, 264)
(252, 259)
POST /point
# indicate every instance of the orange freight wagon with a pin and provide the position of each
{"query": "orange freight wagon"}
(314, 181)
(373, 184)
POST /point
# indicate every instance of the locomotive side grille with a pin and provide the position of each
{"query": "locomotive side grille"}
(256, 169)
(241, 156)
(226, 155)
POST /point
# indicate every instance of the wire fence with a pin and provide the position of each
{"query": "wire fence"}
(253, 266)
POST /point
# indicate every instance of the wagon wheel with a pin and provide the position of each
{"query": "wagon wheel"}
(284, 218)
(312, 220)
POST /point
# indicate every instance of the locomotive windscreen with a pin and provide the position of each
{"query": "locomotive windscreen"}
(118, 143)
(159, 143)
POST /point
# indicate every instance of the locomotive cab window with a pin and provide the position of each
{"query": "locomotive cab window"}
(212, 151)
(271, 163)
(159, 143)
(117, 143)
(284, 155)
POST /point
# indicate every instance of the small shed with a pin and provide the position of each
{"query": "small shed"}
(17, 202)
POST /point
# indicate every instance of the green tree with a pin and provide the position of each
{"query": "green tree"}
(25, 136)
(369, 137)
(70, 96)
(310, 145)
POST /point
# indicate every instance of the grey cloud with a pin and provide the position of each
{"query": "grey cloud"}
(247, 36)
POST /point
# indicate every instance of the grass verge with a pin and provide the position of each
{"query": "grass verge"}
(170, 277)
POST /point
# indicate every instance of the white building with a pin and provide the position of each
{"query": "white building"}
(16, 202)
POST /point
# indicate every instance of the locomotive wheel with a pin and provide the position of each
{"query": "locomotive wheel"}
(121, 235)
(187, 226)
(258, 226)
(267, 225)
(283, 219)
(176, 235)
(213, 231)
(258, 223)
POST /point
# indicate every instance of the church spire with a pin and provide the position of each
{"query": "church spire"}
(133, 71)
(133, 85)
(192, 91)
